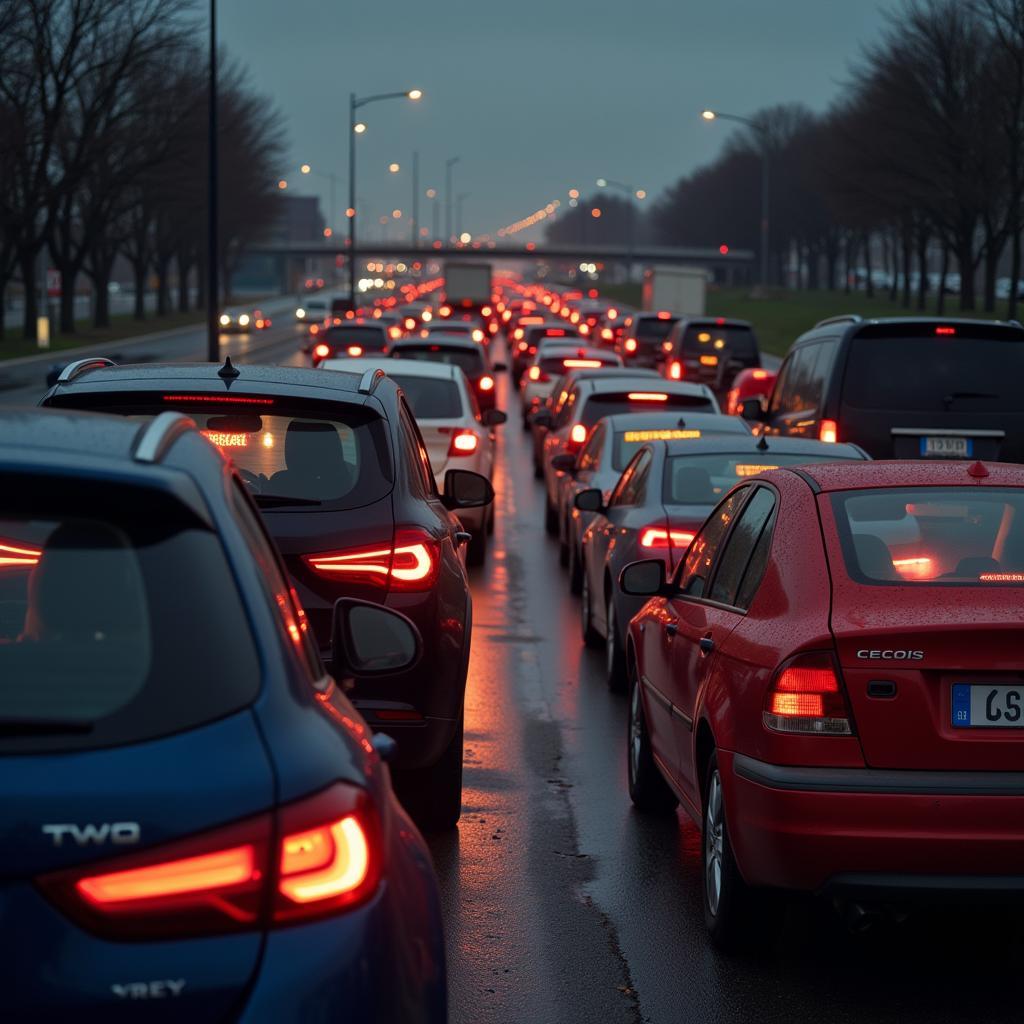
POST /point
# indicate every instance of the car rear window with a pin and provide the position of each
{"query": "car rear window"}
(626, 442)
(711, 339)
(371, 339)
(120, 620)
(703, 479)
(537, 334)
(650, 329)
(431, 398)
(964, 536)
(597, 406)
(470, 361)
(934, 374)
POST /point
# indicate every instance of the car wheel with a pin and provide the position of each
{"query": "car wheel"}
(575, 568)
(647, 787)
(476, 549)
(615, 659)
(727, 899)
(433, 795)
(590, 635)
(550, 518)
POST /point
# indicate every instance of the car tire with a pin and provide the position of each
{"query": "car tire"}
(575, 568)
(550, 518)
(615, 657)
(728, 901)
(433, 795)
(476, 548)
(591, 637)
(647, 787)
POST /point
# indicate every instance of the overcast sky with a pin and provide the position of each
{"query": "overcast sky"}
(535, 96)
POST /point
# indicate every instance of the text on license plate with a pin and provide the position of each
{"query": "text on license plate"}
(947, 447)
(979, 705)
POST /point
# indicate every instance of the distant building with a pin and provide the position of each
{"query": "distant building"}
(298, 220)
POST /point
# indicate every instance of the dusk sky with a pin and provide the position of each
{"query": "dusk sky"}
(535, 98)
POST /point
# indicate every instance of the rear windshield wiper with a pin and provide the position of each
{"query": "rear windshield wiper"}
(272, 500)
(43, 726)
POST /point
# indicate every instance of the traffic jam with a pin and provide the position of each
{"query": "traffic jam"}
(238, 611)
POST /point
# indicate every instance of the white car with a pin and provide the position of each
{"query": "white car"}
(554, 358)
(456, 434)
(470, 329)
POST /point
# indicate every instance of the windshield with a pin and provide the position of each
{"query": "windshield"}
(930, 535)
(470, 361)
(649, 329)
(711, 339)
(703, 479)
(934, 374)
(431, 398)
(370, 339)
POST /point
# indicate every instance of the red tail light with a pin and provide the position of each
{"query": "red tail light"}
(410, 565)
(807, 697)
(322, 351)
(355, 350)
(478, 335)
(606, 334)
(17, 556)
(485, 383)
(657, 538)
(535, 373)
(445, 311)
(464, 442)
(828, 431)
(410, 322)
(578, 434)
(647, 396)
(630, 344)
(675, 370)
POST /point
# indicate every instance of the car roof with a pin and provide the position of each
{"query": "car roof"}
(914, 473)
(599, 385)
(407, 367)
(715, 321)
(731, 425)
(640, 314)
(77, 433)
(437, 338)
(749, 443)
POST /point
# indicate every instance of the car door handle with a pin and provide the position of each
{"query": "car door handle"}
(707, 645)
(671, 628)
(462, 537)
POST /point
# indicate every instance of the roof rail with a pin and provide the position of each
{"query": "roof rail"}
(72, 370)
(370, 380)
(842, 318)
(157, 436)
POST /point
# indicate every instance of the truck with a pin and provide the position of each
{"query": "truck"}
(681, 290)
(467, 285)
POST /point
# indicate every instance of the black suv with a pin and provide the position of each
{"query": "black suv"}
(337, 465)
(711, 350)
(903, 388)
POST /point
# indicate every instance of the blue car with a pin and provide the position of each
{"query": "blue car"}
(195, 823)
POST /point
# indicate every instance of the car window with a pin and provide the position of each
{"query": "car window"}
(431, 398)
(369, 339)
(742, 540)
(782, 395)
(714, 339)
(421, 475)
(754, 572)
(470, 361)
(696, 568)
(591, 454)
(120, 618)
(632, 487)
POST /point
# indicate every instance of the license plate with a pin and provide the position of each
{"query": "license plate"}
(981, 706)
(947, 447)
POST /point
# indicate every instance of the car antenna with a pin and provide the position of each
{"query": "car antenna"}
(227, 371)
(682, 421)
(762, 445)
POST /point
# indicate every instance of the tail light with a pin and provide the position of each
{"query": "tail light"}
(411, 564)
(647, 396)
(355, 350)
(464, 442)
(577, 435)
(666, 346)
(322, 351)
(485, 310)
(445, 311)
(478, 335)
(485, 383)
(675, 370)
(584, 330)
(394, 332)
(314, 329)
(410, 322)
(17, 556)
(535, 373)
(232, 879)
(657, 538)
(517, 333)
(807, 697)
(629, 344)
(426, 316)
(492, 327)
(828, 431)
(607, 334)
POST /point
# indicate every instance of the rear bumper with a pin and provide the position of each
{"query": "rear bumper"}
(811, 828)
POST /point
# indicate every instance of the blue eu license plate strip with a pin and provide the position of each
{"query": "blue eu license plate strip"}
(961, 705)
(947, 447)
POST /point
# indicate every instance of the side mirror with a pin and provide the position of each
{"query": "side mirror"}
(752, 410)
(370, 640)
(542, 418)
(564, 462)
(499, 367)
(465, 489)
(591, 500)
(493, 418)
(643, 579)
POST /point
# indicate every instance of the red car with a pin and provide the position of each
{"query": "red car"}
(832, 686)
(754, 382)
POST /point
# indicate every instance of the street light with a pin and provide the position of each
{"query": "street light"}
(633, 193)
(762, 133)
(357, 128)
(212, 210)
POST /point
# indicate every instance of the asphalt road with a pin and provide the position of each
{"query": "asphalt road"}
(565, 905)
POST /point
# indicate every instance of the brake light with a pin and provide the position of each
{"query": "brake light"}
(664, 314)
(13, 556)
(578, 434)
(354, 350)
(584, 330)
(411, 564)
(478, 335)
(709, 360)
(647, 396)
(517, 333)
(445, 311)
(410, 323)
(920, 568)
(219, 399)
(807, 697)
(465, 442)
(394, 332)
(322, 351)
(828, 431)
(629, 344)
(606, 334)
(612, 313)
(759, 374)
(675, 370)
(582, 364)
(655, 538)
(555, 332)
(485, 383)
(945, 330)
(314, 329)
(485, 310)
(325, 862)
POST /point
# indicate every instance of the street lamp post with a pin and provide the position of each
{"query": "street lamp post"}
(355, 128)
(633, 193)
(762, 133)
(448, 165)
(212, 212)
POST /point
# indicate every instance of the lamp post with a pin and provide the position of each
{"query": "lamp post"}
(633, 193)
(212, 212)
(357, 128)
(448, 165)
(762, 133)
(435, 214)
